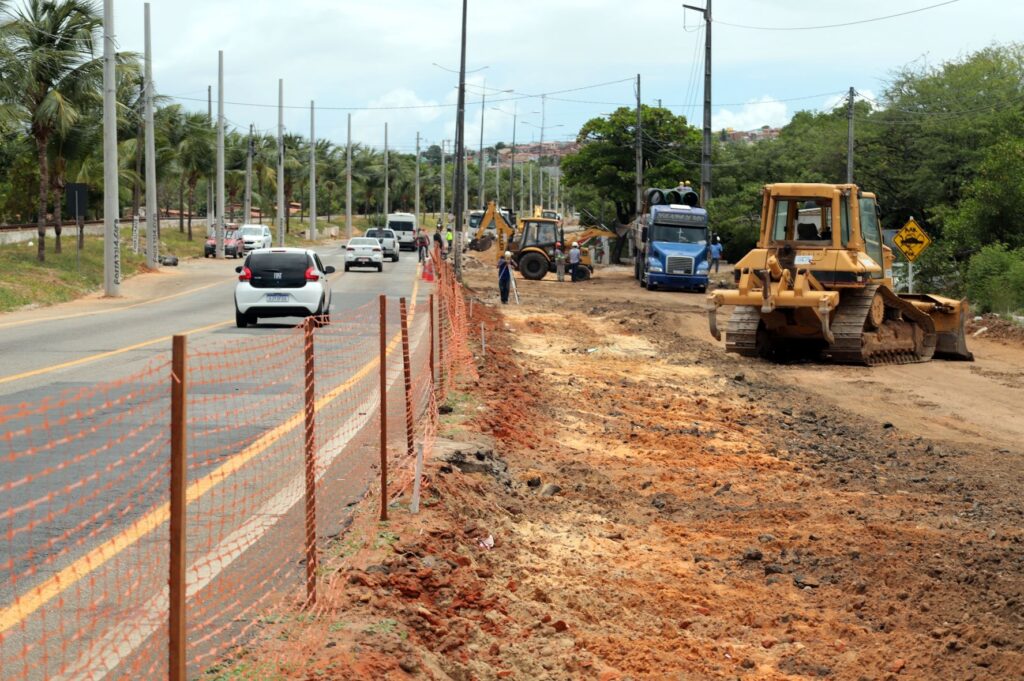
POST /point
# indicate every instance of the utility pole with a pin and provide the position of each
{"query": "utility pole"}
(522, 188)
(849, 139)
(348, 181)
(444, 206)
(705, 154)
(483, 108)
(111, 203)
(417, 221)
(540, 156)
(152, 214)
(209, 178)
(248, 179)
(512, 170)
(280, 162)
(531, 189)
(497, 182)
(639, 151)
(461, 181)
(387, 199)
(220, 154)
(312, 170)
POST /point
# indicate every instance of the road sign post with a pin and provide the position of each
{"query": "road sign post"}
(911, 241)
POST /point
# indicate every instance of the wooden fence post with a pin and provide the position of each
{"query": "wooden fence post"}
(177, 638)
(310, 459)
(407, 369)
(383, 408)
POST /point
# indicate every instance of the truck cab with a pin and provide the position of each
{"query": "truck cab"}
(673, 247)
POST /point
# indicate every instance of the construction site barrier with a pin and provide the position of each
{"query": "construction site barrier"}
(153, 524)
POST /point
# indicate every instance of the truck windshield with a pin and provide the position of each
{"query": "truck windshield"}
(400, 226)
(474, 220)
(679, 235)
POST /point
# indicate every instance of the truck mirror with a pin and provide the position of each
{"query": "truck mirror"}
(643, 235)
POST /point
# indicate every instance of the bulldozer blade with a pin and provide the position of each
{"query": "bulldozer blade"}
(712, 310)
(953, 345)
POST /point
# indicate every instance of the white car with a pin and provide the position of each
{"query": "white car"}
(388, 241)
(255, 236)
(364, 251)
(282, 282)
(404, 225)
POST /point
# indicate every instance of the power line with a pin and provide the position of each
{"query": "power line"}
(848, 23)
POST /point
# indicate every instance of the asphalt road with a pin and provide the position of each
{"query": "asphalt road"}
(77, 347)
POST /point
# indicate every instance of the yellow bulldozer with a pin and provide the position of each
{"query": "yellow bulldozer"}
(819, 283)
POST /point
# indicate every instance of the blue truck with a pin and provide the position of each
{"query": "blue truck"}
(672, 243)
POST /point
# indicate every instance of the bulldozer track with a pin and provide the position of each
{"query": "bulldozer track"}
(741, 332)
(848, 330)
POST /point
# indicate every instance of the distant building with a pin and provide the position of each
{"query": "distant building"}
(765, 132)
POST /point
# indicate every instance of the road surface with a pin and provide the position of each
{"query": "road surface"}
(68, 350)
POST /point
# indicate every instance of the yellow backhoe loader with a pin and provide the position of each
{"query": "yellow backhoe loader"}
(819, 282)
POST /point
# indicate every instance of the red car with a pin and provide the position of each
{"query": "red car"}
(233, 246)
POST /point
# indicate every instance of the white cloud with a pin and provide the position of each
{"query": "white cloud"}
(753, 114)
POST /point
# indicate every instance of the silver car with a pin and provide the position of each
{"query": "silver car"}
(388, 241)
(362, 251)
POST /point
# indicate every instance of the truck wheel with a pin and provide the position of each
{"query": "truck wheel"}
(533, 266)
(583, 273)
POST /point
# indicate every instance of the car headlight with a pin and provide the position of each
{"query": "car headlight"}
(655, 266)
(702, 266)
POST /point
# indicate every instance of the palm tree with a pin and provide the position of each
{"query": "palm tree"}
(50, 75)
(171, 133)
(195, 156)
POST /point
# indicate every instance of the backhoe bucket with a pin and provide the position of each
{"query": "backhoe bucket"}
(950, 317)
(481, 244)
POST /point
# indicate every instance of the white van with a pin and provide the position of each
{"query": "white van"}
(404, 225)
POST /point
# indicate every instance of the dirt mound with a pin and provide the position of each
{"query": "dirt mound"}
(994, 327)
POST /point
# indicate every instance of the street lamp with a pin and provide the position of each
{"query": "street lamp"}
(540, 155)
(483, 109)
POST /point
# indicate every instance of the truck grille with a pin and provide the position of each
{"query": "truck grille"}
(680, 264)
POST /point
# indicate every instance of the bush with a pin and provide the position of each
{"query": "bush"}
(995, 279)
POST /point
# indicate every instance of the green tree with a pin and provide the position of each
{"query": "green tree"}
(606, 160)
(49, 75)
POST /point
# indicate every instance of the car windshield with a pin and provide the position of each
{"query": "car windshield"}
(252, 231)
(474, 220)
(231, 234)
(401, 226)
(679, 235)
(363, 241)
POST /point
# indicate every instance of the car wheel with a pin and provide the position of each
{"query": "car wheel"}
(241, 320)
(380, 267)
(346, 267)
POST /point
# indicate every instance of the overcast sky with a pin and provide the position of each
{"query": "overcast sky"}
(358, 53)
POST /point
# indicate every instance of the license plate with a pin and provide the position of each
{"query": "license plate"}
(277, 297)
(679, 272)
(364, 260)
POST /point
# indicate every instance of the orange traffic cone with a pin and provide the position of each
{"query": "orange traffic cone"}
(428, 270)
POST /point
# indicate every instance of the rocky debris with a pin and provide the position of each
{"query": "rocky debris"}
(752, 553)
(550, 490)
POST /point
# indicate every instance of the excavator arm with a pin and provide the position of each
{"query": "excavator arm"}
(482, 241)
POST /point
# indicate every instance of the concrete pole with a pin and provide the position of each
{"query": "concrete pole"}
(209, 177)
(111, 203)
(416, 222)
(348, 181)
(220, 154)
(248, 179)
(849, 139)
(639, 152)
(497, 182)
(280, 162)
(312, 170)
(483, 109)
(387, 183)
(152, 214)
(444, 206)
(530, 207)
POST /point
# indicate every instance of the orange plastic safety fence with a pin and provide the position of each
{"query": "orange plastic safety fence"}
(84, 486)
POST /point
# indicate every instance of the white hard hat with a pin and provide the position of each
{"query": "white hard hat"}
(575, 243)
(508, 254)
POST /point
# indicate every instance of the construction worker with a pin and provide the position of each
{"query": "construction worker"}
(505, 267)
(559, 261)
(574, 260)
(716, 253)
(439, 241)
(448, 241)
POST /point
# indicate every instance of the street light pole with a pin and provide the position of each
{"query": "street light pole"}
(416, 222)
(152, 211)
(348, 181)
(483, 108)
(705, 155)
(460, 150)
(387, 198)
(280, 162)
(312, 170)
(220, 155)
(111, 203)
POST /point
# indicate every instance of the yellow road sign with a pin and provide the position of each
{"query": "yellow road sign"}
(912, 240)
